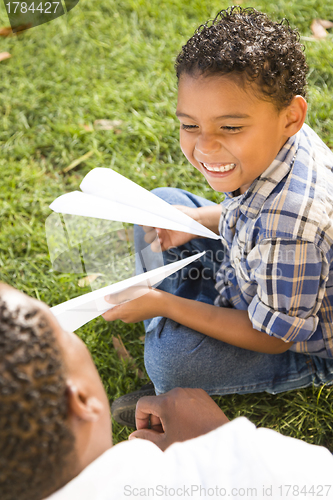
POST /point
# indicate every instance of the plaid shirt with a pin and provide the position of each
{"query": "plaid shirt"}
(279, 256)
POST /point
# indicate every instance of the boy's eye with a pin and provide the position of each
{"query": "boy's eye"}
(232, 129)
(189, 127)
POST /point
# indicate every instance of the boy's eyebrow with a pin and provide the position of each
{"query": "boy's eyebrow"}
(228, 117)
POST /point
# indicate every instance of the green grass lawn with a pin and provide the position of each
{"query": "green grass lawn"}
(114, 60)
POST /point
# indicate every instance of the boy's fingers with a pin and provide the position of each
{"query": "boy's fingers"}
(130, 294)
(150, 237)
(114, 298)
(147, 229)
(154, 237)
(150, 234)
(110, 315)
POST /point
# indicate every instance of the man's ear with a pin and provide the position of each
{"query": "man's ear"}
(82, 406)
(295, 115)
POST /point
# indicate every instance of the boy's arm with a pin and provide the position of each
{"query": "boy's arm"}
(229, 325)
(290, 277)
(209, 217)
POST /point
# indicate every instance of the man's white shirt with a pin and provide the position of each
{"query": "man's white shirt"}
(235, 461)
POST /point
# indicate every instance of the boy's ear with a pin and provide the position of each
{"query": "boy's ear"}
(295, 115)
(81, 405)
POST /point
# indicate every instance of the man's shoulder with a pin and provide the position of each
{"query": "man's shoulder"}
(107, 476)
(236, 455)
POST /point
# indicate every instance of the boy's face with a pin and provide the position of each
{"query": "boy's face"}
(228, 133)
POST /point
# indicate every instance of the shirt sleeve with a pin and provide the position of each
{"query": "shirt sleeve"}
(290, 277)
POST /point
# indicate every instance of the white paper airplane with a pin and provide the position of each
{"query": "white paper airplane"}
(76, 312)
(108, 195)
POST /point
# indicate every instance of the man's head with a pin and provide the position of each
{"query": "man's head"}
(54, 414)
(240, 97)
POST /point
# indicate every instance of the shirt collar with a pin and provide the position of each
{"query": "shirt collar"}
(253, 199)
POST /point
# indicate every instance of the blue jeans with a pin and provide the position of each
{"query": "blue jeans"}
(177, 356)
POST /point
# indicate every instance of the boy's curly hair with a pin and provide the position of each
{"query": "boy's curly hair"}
(249, 45)
(35, 441)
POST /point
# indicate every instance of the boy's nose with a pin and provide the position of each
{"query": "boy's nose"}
(207, 145)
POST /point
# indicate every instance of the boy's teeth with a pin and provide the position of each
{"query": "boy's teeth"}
(219, 168)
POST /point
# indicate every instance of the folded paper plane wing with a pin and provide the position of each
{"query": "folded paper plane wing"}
(111, 196)
(76, 312)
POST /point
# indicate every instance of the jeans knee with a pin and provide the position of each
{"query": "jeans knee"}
(169, 361)
(168, 194)
(162, 368)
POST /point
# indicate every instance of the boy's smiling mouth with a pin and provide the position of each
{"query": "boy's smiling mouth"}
(218, 167)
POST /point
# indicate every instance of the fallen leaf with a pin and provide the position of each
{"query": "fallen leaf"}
(88, 127)
(124, 354)
(4, 56)
(318, 29)
(87, 280)
(8, 31)
(121, 349)
(142, 338)
(107, 124)
(326, 24)
(77, 162)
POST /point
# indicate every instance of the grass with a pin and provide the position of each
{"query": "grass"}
(114, 60)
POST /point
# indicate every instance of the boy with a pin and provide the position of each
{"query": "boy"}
(268, 326)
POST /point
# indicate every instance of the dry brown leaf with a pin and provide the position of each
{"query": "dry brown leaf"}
(121, 349)
(107, 124)
(326, 24)
(142, 338)
(87, 127)
(7, 30)
(4, 56)
(123, 353)
(87, 280)
(318, 29)
(21, 28)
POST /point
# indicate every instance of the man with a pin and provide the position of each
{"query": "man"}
(55, 430)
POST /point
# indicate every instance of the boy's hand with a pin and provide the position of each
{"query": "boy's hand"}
(177, 415)
(148, 304)
(163, 239)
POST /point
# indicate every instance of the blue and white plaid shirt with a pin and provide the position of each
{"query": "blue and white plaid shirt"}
(279, 255)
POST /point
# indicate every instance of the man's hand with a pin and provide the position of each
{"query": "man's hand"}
(177, 415)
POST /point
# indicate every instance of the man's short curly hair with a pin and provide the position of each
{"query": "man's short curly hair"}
(247, 44)
(35, 440)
